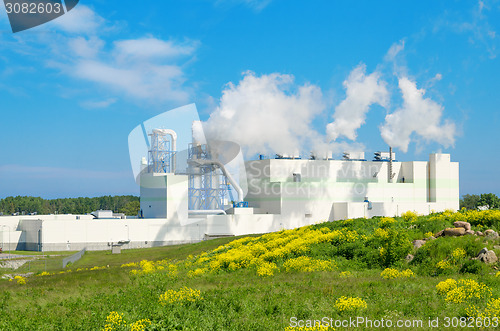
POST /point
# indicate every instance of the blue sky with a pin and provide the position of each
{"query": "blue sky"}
(422, 76)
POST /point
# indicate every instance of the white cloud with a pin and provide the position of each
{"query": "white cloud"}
(87, 48)
(267, 114)
(362, 91)
(256, 5)
(80, 19)
(418, 115)
(146, 68)
(394, 50)
(479, 31)
(153, 48)
(98, 104)
(141, 80)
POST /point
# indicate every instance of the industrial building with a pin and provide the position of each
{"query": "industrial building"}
(192, 194)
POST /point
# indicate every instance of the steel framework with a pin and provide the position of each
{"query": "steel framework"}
(207, 185)
(160, 155)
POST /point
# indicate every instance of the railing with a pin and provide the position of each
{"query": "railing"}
(73, 258)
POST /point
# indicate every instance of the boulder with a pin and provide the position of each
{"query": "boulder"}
(430, 238)
(479, 233)
(454, 232)
(491, 234)
(487, 256)
(461, 224)
(409, 258)
(470, 232)
(483, 251)
(439, 234)
(418, 243)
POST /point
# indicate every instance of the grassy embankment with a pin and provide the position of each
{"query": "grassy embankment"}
(261, 282)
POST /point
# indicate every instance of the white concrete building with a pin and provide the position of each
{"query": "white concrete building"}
(281, 194)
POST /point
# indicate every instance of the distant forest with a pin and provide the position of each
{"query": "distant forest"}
(127, 204)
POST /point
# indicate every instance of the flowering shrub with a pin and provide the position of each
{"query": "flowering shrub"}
(409, 216)
(350, 304)
(264, 253)
(130, 265)
(98, 268)
(197, 272)
(386, 221)
(463, 290)
(493, 308)
(444, 265)
(479, 218)
(140, 325)
(307, 264)
(446, 285)
(468, 289)
(384, 234)
(428, 234)
(20, 280)
(44, 273)
(114, 320)
(181, 296)
(390, 273)
(266, 269)
(394, 247)
(345, 274)
(458, 253)
(148, 267)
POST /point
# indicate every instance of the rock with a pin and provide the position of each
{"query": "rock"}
(418, 243)
(487, 257)
(479, 233)
(430, 238)
(461, 224)
(470, 232)
(409, 258)
(491, 234)
(496, 247)
(439, 234)
(483, 251)
(454, 232)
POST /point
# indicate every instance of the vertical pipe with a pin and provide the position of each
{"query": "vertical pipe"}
(390, 165)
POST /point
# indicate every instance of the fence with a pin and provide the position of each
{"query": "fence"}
(73, 258)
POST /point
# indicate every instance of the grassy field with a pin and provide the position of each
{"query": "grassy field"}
(342, 271)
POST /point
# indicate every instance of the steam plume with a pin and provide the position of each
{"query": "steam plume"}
(418, 115)
(361, 92)
(267, 114)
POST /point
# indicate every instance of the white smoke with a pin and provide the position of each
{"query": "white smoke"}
(418, 115)
(267, 114)
(362, 91)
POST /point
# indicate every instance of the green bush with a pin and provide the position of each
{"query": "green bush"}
(394, 248)
(472, 267)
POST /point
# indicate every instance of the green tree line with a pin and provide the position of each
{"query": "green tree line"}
(127, 204)
(474, 201)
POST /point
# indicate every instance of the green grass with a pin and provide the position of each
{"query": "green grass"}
(179, 252)
(240, 299)
(38, 262)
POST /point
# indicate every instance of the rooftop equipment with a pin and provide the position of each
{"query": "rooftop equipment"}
(354, 156)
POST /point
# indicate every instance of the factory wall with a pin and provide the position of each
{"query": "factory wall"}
(164, 195)
(335, 189)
